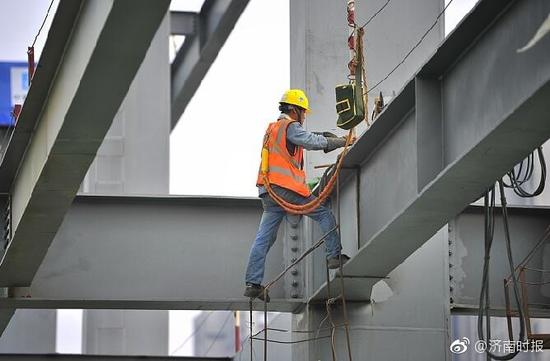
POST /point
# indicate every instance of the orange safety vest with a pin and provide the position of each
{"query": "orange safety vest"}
(285, 169)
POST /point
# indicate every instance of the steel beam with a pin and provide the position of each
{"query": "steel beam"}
(160, 303)
(152, 253)
(216, 21)
(485, 107)
(46, 69)
(106, 47)
(183, 23)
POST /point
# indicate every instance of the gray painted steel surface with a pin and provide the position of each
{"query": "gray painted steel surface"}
(413, 174)
(397, 213)
(105, 51)
(29, 331)
(46, 69)
(406, 320)
(466, 239)
(154, 252)
(128, 332)
(184, 23)
(134, 158)
(275, 351)
(402, 323)
(207, 304)
(216, 20)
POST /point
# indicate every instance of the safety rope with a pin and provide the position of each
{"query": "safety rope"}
(309, 207)
(356, 48)
(358, 61)
(342, 283)
(328, 304)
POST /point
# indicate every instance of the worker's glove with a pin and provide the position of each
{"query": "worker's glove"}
(329, 135)
(326, 134)
(335, 143)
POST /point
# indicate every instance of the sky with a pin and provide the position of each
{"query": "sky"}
(252, 71)
(214, 149)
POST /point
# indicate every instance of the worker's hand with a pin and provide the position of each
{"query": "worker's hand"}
(326, 134)
(335, 143)
(329, 135)
(353, 140)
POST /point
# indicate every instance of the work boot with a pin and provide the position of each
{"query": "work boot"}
(253, 290)
(334, 262)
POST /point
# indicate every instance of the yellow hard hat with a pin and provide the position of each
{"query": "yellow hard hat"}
(296, 97)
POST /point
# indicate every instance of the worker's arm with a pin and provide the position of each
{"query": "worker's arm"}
(297, 135)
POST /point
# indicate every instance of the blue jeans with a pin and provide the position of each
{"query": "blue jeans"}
(269, 225)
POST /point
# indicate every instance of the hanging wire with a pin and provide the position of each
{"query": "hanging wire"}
(192, 334)
(250, 330)
(43, 22)
(517, 177)
(318, 331)
(413, 48)
(375, 14)
(284, 330)
(484, 300)
(229, 315)
(299, 259)
(524, 173)
(291, 342)
(252, 351)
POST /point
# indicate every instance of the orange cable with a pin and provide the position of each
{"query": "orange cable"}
(314, 204)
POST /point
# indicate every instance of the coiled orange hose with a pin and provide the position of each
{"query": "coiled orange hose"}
(314, 204)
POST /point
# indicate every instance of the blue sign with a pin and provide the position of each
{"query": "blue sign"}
(14, 84)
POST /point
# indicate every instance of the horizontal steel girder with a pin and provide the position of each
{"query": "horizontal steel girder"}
(227, 304)
(216, 21)
(473, 111)
(153, 253)
(99, 62)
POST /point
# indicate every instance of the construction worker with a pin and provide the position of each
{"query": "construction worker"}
(287, 179)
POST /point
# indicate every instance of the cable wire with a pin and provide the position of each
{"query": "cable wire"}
(229, 314)
(43, 22)
(413, 48)
(519, 177)
(484, 299)
(375, 14)
(192, 334)
(291, 342)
